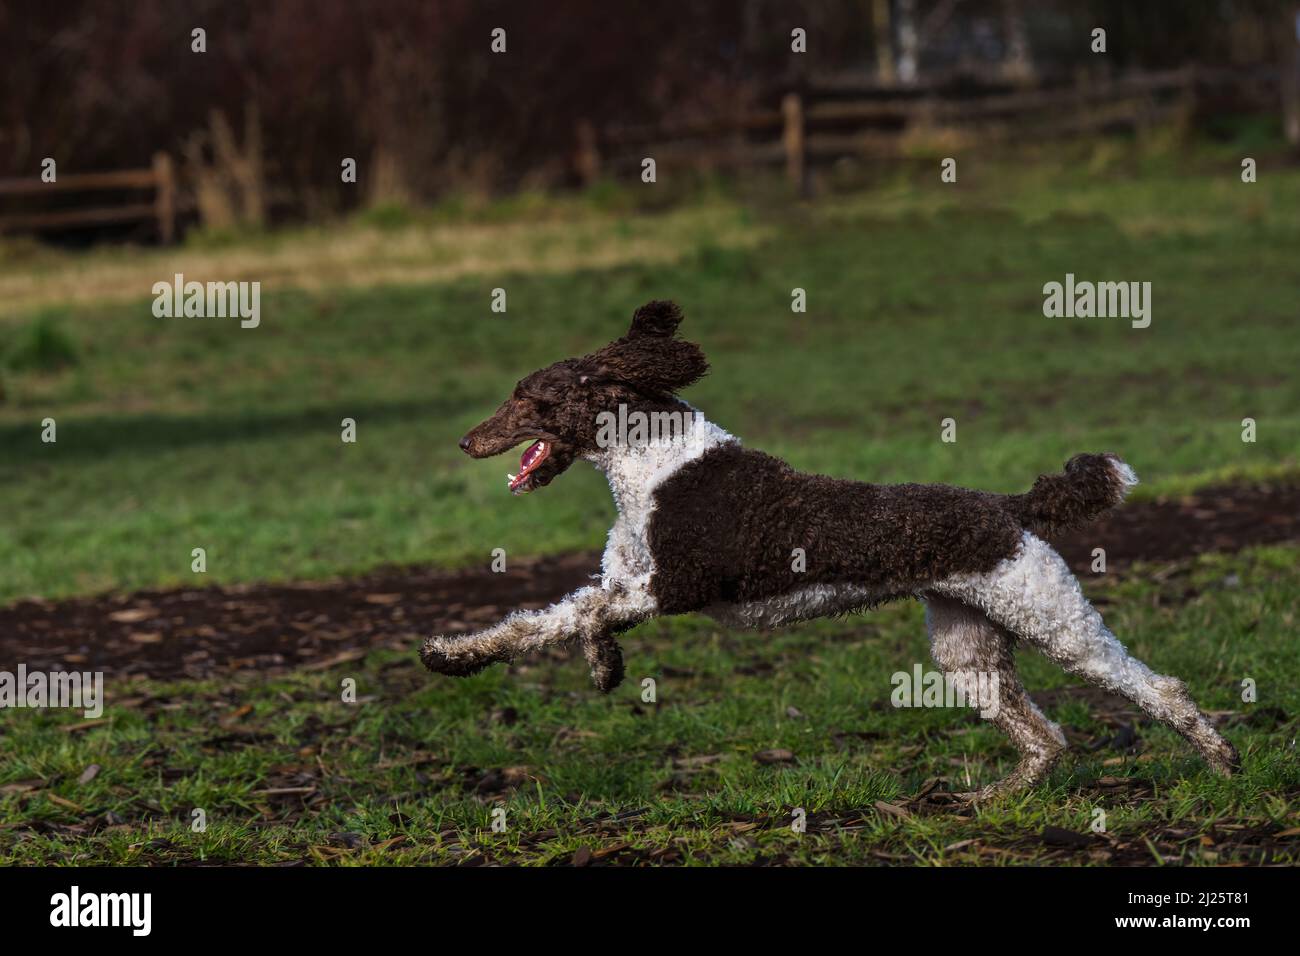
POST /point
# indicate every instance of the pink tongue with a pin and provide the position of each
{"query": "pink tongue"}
(529, 455)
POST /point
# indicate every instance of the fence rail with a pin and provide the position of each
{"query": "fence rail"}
(159, 177)
(835, 117)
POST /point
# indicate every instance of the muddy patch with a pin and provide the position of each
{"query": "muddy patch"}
(195, 633)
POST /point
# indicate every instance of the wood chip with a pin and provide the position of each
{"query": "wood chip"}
(133, 615)
(703, 760)
(86, 725)
(353, 655)
(929, 785)
(237, 714)
(890, 810)
(66, 804)
(1120, 761)
(22, 786)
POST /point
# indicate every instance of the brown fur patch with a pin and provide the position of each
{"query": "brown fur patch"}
(725, 526)
(1067, 501)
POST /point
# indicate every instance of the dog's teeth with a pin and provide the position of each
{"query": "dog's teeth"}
(510, 477)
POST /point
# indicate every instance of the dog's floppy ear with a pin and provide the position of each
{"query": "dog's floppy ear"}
(650, 357)
(659, 318)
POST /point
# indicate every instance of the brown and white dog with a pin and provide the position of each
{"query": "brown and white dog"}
(707, 525)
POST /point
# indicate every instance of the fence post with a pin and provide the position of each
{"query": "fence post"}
(1290, 75)
(792, 138)
(586, 157)
(164, 173)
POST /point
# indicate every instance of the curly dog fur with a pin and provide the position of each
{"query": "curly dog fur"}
(707, 525)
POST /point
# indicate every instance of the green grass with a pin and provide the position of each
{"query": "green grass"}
(426, 762)
(924, 303)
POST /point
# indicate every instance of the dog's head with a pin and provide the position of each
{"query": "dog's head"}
(556, 408)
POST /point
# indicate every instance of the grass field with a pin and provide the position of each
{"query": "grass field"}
(924, 303)
(746, 729)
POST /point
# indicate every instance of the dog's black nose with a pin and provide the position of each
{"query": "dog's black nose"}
(464, 443)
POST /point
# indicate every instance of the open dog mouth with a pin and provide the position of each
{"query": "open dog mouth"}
(532, 457)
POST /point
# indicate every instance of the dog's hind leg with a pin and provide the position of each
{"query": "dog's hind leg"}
(978, 655)
(1034, 595)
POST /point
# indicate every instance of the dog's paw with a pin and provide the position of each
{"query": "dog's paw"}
(606, 660)
(607, 678)
(436, 657)
(1222, 757)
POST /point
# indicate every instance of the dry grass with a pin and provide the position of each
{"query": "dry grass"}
(364, 256)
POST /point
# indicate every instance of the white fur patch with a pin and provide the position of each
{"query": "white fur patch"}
(1127, 476)
(801, 604)
(1034, 595)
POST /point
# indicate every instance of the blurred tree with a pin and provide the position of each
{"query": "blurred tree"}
(412, 90)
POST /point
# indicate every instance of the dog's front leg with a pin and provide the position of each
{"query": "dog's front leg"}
(592, 614)
(605, 656)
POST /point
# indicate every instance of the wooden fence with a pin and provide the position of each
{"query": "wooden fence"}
(844, 117)
(817, 121)
(160, 178)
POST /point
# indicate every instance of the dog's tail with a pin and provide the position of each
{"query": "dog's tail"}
(1090, 485)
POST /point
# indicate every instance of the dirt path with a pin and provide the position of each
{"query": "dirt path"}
(198, 632)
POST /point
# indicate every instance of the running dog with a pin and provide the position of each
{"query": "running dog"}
(707, 525)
